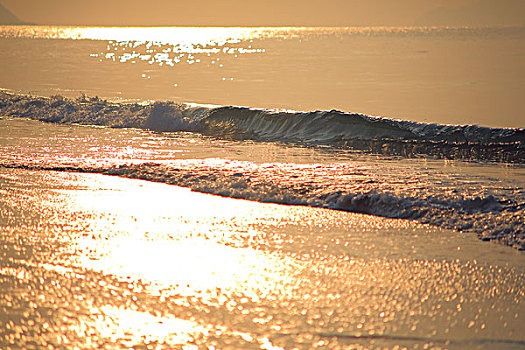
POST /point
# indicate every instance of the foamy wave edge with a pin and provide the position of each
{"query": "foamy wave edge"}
(333, 128)
(492, 218)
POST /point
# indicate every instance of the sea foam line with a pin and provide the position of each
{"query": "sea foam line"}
(491, 217)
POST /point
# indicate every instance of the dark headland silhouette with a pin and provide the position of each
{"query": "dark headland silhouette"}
(7, 17)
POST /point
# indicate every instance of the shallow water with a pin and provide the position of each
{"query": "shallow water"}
(119, 263)
(483, 198)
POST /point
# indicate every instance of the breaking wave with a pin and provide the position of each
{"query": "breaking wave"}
(332, 128)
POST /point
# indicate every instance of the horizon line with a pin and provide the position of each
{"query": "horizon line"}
(269, 26)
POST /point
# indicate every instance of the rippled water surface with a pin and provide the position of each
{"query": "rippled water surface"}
(445, 75)
(115, 263)
(126, 222)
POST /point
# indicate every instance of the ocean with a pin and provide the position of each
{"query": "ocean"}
(262, 187)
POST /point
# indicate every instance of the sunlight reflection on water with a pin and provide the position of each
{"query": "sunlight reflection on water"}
(193, 248)
(372, 70)
(129, 327)
(104, 262)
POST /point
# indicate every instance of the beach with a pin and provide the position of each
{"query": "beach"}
(98, 261)
(262, 187)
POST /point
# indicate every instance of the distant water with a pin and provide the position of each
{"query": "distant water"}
(427, 74)
(218, 110)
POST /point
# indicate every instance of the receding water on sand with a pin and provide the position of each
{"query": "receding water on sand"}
(91, 260)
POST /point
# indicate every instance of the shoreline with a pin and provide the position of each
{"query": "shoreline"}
(176, 253)
(270, 172)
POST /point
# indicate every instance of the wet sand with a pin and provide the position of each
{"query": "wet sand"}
(93, 261)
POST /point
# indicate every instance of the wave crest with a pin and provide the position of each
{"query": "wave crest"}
(332, 128)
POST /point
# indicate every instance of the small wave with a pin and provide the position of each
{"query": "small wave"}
(332, 128)
(496, 217)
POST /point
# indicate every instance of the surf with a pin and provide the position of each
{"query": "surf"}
(332, 128)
